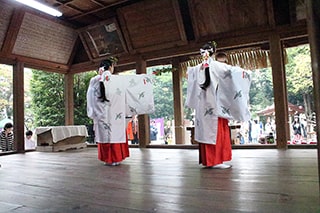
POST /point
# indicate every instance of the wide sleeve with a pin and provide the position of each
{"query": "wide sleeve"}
(192, 87)
(139, 94)
(91, 99)
(233, 93)
(96, 109)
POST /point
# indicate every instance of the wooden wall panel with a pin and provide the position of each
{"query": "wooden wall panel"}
(6, 12)
(152, 25)
(220, 16)
(43, 39)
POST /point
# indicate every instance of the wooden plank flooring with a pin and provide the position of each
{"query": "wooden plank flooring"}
(160, 180)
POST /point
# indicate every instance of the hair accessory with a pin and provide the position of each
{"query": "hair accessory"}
(213, 44)
(114, 60)
(101, 70)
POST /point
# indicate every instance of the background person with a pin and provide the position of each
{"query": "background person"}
(168, 133)
(298, 130)
(133, 130)
(29, 143)
(153, 131)
(268, 127)
(221, 57)
(6, 138)
(255, 134)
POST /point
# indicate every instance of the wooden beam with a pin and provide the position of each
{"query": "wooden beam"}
(13, 31)
(34, 63)
(270, 12)
(280, 91)
(143, 120)
(18, 106)
(83, 67)
(179, 20)
(74, 51)
(293, 31)
(86, 47)
(68, 99)
(230, 40)
(313, 18)
(178, 103)
(7, 61)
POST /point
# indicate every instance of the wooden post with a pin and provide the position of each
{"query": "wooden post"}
(178, 102)
(18, 106)
(313, 20)
(68, 99)
(280, 91)
(143, 120)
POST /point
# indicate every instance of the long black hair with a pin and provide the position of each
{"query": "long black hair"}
(105, 64)
(211, 49)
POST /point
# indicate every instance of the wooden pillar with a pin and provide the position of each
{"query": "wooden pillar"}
(143, 120)
(18, 106)
(313, 20)
(178, 102)
(68, 99)
(280, 91)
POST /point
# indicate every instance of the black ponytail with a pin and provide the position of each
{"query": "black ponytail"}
(207, 81)
(211, 47)
(102, 96)
(105, 64)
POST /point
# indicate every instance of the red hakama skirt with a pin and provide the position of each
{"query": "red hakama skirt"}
(113, 152)
(213, 154)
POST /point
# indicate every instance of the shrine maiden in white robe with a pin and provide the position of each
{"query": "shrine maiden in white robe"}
(227, 97)
(127, 94)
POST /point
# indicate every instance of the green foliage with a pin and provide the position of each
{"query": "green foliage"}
(48, 98)
(299, 74)
(81, 83)
(6, 87)
(163, 95)
(261, 90)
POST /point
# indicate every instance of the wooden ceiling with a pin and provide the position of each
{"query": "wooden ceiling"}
(156, 31)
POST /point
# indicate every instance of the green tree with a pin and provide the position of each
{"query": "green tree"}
(47, 90)
(81, 83)
(28, 113)
(299, 77)
(163, 96)
(163, 93)
(6, 95)
(299, 81)
(47, 98)
(261, 90)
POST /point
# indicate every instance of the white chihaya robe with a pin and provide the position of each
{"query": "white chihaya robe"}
(227, 97)
(127, 94)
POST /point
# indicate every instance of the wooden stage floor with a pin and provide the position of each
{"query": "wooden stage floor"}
(160, 180)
